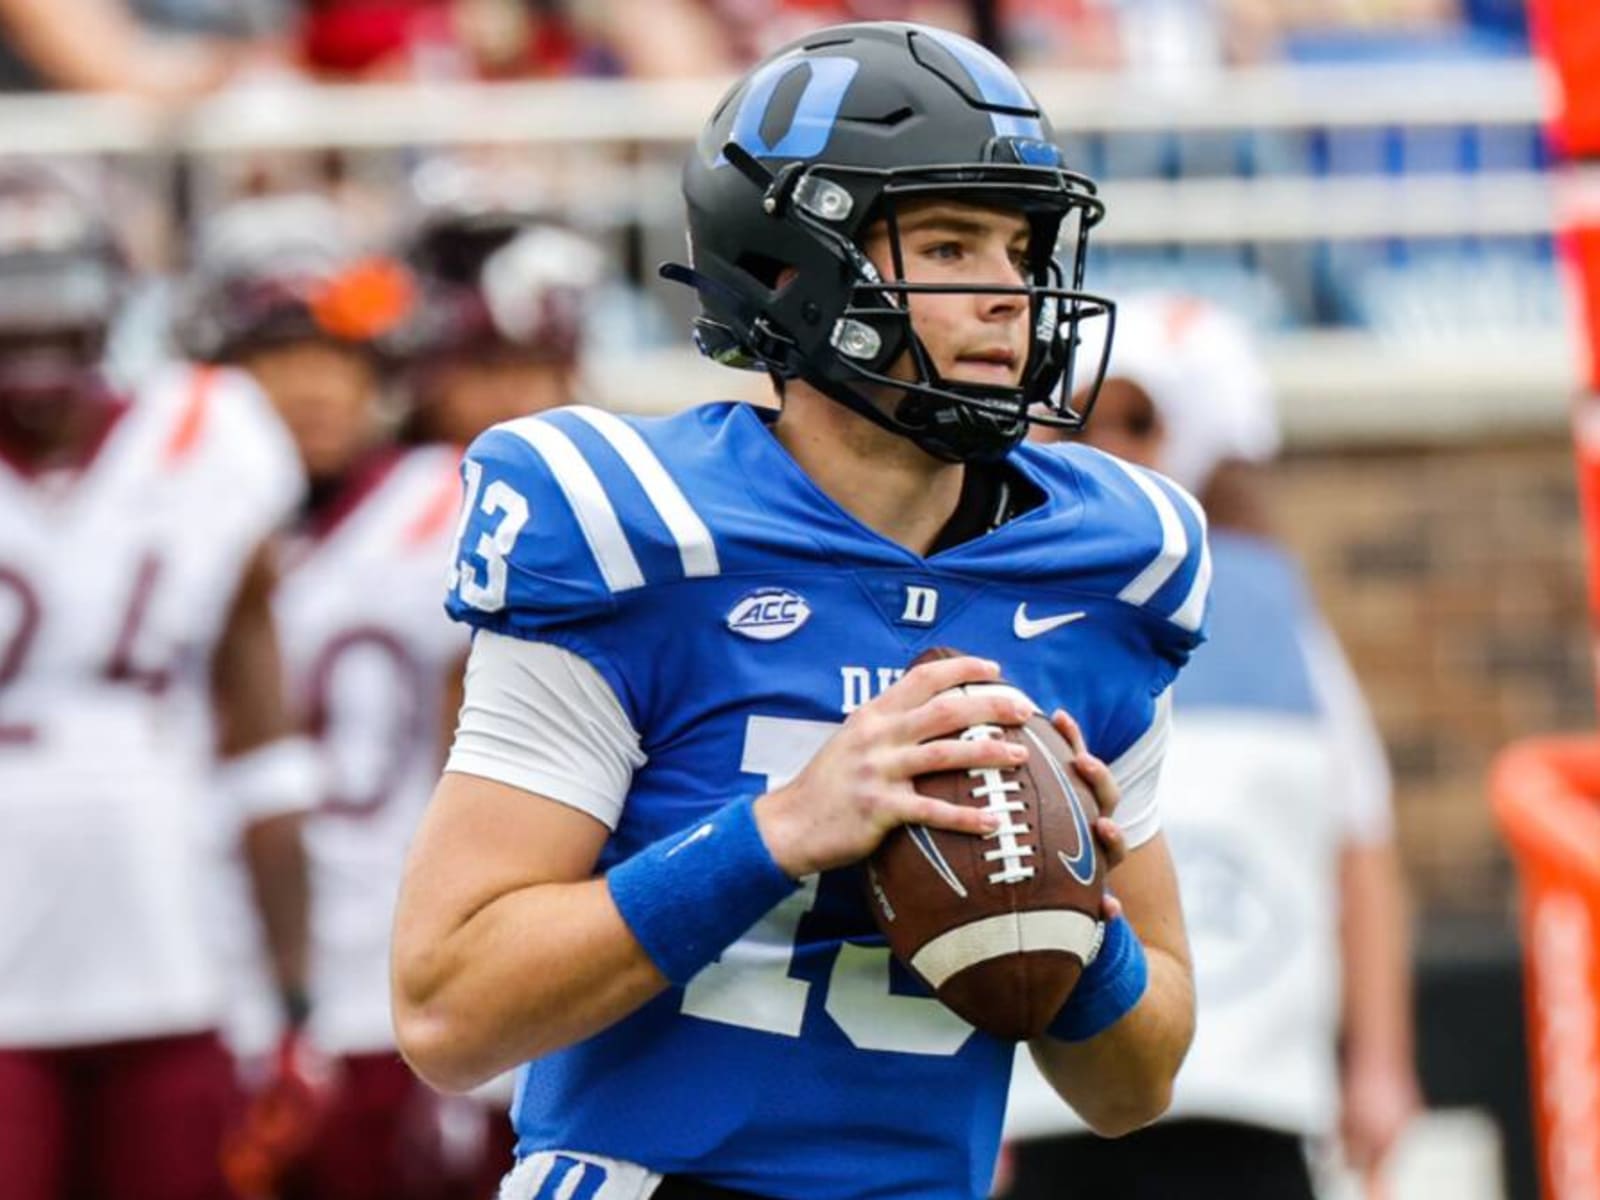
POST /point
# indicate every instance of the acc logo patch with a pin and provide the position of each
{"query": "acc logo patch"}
(767, 614)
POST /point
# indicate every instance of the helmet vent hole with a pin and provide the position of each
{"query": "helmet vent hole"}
(889, 120)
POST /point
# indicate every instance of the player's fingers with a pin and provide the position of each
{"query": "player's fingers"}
(917, 809)
(1067, 726)
(926, 680)
(952, 711)
(956, 754)
(1112, 843)
(1107, 795)
(1110, 907)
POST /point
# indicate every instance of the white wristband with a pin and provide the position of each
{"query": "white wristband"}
(273, 780)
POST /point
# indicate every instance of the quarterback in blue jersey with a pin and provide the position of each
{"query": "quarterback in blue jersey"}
(687, 712)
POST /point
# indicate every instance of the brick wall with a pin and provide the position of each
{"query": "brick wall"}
(1455, 577)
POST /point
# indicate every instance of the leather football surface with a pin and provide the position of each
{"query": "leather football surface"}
(999, 926)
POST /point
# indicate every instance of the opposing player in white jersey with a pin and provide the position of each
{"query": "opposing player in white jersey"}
(133, 595)
(1280, 823)
(372, 661)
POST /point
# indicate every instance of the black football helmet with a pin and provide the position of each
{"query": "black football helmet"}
(837, 131)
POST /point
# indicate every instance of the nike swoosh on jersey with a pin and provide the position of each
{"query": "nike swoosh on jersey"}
(1026, 627)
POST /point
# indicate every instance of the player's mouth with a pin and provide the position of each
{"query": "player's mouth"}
(996, 365)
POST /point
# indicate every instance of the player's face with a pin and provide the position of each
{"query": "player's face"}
(326, 394)
(470, 396)
(1125, 423)
(46, 400)
(972, 338)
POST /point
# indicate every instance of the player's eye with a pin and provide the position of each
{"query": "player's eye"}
(946, 251)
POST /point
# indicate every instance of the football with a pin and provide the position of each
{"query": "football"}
(999, 926)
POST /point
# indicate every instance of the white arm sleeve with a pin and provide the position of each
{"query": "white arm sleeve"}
(540, 718)
(1138, 771)
(1365, 786)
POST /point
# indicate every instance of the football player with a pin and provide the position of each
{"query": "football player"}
(687, 714)
(281, 290)
(1278, 808)
(134, 595)
(497, 331)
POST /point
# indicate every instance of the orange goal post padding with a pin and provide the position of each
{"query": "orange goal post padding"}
(1546, 791)
(1546, 797)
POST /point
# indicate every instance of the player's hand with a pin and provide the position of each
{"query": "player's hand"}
(281, 1119)
(859, 785)
(1379, 1100)
(1107, 795)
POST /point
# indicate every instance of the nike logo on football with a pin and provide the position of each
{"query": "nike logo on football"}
(1026, 627)
(922, 839)
(699, 835)
(1081, 864)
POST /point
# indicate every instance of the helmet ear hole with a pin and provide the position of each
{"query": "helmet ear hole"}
(768, 271)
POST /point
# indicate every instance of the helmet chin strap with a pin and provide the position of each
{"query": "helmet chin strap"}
(972, 441)
(957, 432)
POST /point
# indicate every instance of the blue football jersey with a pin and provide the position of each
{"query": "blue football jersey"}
(739, 615)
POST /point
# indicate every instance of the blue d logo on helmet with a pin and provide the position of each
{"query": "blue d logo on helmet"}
(831, 138)
(812, 122)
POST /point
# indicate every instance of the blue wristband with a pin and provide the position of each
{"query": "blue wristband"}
(691, 895)
(1108, 989)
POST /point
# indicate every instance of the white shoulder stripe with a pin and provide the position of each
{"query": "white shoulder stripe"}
(1174, 541)
(582, 488)
(1193, 609)
(696, 549)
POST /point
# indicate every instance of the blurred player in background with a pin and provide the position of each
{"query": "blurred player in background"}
(134, 596)
(1277, 801)
(282, 290)
(498, 330)
(639, 870)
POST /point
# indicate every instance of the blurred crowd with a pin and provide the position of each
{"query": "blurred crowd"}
(185, 48)
(1410, 289)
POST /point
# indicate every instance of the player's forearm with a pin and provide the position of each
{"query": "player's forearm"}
(1376, 949)
(531, 972)
(276, 859)
(1122, 1078)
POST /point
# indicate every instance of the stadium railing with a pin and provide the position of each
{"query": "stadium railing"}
(1391, 225)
